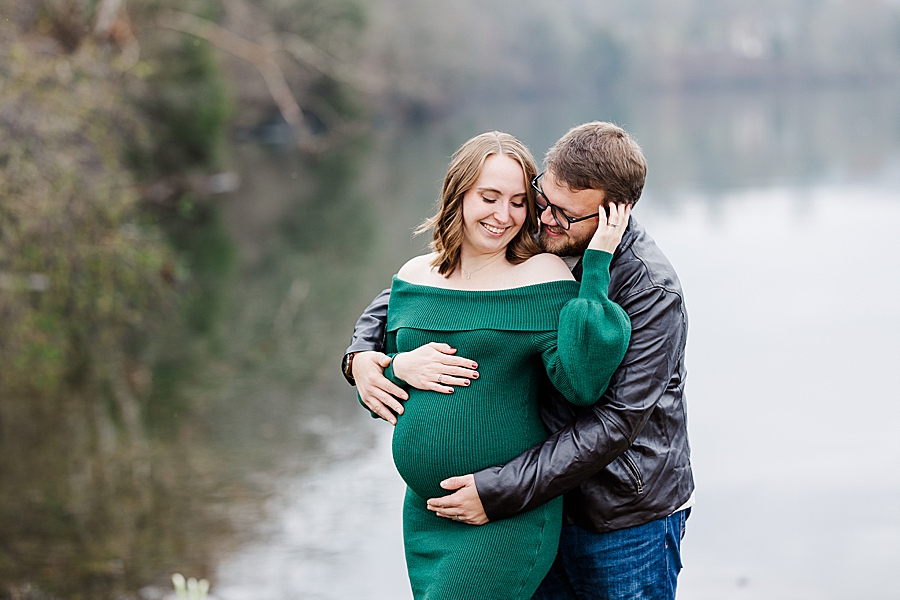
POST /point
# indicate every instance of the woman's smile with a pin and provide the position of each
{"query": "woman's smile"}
(494, 230)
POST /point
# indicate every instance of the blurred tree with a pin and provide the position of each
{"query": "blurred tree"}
(109, 131)
(81, 272)
(113, 257)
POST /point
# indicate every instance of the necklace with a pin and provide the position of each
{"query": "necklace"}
(490, 262)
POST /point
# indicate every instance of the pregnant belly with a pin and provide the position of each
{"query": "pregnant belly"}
(444, 435)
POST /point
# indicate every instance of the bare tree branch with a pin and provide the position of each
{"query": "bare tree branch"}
(106, 17)
(256, 54)
(113, 24)
(241, 14)
(308, 54)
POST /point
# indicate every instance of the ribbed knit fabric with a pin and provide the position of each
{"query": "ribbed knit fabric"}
(577, 337)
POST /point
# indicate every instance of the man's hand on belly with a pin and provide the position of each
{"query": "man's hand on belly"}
(463, 505)
(375, 390)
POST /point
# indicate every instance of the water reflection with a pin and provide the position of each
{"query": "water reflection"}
(332, 533)
(262, 474)
(724, 140)
(91, 507)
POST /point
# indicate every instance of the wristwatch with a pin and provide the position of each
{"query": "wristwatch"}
(347, 367)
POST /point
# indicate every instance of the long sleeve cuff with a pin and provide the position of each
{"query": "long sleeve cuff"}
(392, 377)
(595, 276)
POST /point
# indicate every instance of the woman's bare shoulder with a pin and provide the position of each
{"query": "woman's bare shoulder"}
(542, 268)
(417, 269)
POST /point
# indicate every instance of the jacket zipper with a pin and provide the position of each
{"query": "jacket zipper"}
(633, 471)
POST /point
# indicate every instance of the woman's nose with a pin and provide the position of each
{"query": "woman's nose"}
(502, 212)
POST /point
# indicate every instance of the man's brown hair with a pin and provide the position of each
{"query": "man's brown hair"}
(599, 156)
(463, 172)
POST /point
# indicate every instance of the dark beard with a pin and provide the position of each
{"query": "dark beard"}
(567, 246)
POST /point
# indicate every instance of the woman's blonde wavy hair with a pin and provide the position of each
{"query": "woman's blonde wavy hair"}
(463, 172)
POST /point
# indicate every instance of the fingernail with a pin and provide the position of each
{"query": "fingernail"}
(475, 375)
(468, 382)
(474, 365)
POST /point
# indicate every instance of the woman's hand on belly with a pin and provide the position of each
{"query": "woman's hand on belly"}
(435, 367)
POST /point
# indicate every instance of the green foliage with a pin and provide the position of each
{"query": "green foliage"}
(80, 273)
(205, 269)
(207, 255)
(190, 106)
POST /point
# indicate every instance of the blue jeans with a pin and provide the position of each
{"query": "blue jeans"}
(639, 562)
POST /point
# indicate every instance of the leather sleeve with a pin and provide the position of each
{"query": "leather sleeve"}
(369, 333)
(599, 433)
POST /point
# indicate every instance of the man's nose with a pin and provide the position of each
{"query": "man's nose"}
(547, 217)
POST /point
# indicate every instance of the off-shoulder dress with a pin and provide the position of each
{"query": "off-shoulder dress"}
(573, 333)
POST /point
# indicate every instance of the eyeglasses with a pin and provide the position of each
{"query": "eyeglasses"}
(561, 218)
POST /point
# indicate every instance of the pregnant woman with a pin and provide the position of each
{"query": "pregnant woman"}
(488, 291)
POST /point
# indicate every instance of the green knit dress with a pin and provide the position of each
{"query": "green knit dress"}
(578, 337)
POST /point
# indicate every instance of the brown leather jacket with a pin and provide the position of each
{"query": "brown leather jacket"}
(625, 460)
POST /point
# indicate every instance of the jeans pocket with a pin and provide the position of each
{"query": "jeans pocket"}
(674, 534)
(684, 517)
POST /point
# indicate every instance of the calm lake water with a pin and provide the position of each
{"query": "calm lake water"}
(780, 213)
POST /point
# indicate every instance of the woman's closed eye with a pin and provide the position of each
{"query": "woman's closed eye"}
(513, 203)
